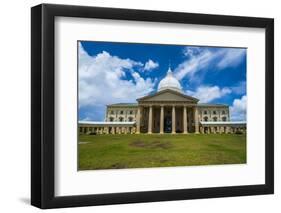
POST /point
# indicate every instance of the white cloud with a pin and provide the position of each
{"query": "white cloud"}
(198, 59)
(190, 51)
(102, 80)
(231, 57)
(150, 65)
(207, 94)
(87, 119)
(239, 88)
(238, 110)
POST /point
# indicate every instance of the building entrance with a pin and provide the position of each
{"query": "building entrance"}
(168, 124)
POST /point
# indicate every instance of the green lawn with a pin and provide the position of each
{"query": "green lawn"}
(143, 151)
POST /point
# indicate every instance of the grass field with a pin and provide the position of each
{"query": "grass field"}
(143, 151)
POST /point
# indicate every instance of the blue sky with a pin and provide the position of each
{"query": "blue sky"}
(111, 72)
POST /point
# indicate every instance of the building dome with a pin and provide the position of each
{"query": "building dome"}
(170, 82)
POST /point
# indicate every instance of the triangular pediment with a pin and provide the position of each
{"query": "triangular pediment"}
(168, 95)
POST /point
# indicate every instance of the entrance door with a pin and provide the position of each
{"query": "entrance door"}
(168, 124)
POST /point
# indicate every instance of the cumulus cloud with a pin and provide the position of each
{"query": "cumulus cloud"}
(150, 65)
(238, 110)
(198, 59)
(206, 94)
(102, 79)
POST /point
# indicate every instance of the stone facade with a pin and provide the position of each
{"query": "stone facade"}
(121, 112)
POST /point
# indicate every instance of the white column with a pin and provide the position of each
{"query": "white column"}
(173, 120)
(162, 120)
(150, 120)
(196, 120)
(138, 121)
(227, 129)
(184, 120)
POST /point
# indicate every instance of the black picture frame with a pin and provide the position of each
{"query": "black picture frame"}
(43, 102)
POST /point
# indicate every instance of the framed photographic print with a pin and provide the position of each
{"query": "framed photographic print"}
(139, 106)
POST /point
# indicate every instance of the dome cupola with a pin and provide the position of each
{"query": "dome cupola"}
(169, 82)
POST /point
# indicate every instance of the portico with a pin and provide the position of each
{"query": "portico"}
(166, 118)
(167, 111)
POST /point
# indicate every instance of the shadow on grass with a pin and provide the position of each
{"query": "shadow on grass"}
(152, 144)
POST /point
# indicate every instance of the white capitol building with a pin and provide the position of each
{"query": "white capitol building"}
(168, 110)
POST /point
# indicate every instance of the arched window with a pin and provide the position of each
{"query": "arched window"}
(215, 118)
(111, 119)
(130, 119)
(121, 119)
(205, 112)
(223, 112)
(224, 118)
(121, 112)
(205, 118)
(214, 112)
